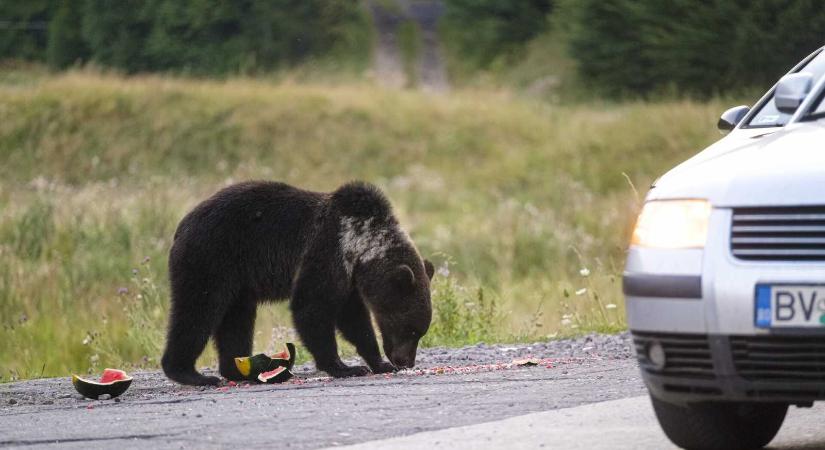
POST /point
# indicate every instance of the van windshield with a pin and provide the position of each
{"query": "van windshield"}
(768, 115)
(818, 110)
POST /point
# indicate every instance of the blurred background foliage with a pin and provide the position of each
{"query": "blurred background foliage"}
(702, 47)
(481, 33)
(619, 47)
(211, 37)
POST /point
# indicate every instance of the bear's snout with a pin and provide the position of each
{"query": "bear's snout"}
(403, 362)
(403, 356)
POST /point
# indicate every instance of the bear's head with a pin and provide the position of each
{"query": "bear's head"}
(399, 297)
(386, 268)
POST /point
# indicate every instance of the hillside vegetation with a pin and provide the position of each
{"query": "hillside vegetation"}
(524, 207)
(574, 49)
(203, 37)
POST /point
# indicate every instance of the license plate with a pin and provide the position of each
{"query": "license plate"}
(790, 306)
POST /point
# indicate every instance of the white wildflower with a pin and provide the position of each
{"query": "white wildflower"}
(584, 272)
(581, 291)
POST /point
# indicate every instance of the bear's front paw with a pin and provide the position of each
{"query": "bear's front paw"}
(383, 367)
(354, 371)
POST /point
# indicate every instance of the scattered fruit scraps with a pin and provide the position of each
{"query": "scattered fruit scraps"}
(475, 368)
(548, 363)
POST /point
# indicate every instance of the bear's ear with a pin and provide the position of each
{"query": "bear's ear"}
(429, 268)
(403, 277)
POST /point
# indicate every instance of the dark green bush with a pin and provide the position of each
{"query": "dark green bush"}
(699, 46)
(65, 44)
(478, 32)
(195, 36)
(116, 32)
(24, 28)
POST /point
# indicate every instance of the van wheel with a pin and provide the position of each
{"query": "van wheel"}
(720, 425)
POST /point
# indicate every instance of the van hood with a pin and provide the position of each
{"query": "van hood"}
(754, 167)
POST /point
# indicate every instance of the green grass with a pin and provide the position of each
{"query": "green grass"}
(512, 199)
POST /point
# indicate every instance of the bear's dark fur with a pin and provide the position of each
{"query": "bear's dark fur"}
(337, 257)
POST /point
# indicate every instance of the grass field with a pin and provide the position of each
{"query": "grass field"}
(524, 207)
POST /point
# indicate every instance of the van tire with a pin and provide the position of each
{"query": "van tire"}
(720, 425)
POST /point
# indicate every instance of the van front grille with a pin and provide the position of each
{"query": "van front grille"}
(687, 355)
(779, 234)
(779, 358)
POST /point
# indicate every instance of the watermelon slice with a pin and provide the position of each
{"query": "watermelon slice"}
(288, 355)
(278, 375)
(114, 382)
(252, 366)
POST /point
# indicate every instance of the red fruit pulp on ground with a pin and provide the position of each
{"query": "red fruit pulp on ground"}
(110, 375)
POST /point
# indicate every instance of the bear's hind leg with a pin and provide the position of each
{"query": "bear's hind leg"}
(356, 327)
(189, 330)
(234, 335)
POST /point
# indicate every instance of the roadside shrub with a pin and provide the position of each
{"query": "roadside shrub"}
(460, 314)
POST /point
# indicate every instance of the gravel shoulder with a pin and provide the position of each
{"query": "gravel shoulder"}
(448, 388)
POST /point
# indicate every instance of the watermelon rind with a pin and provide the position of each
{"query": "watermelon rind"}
(94, 389)
(279, 375)
(290, 361)
(252, 366)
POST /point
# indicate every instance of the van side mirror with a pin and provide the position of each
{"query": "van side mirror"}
(791, 90)
(730, 118)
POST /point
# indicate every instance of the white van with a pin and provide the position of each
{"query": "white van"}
(725, 275)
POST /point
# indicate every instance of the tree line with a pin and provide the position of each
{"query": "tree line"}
(621, 47)
(698, 46)
(641, 47)
(196, 36)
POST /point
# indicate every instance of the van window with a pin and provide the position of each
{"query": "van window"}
(768, 115)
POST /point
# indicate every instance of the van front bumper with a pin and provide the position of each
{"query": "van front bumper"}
(733, 368)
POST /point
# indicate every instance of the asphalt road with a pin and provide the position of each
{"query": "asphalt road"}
(455, 388)
(585, 393)
(612, 425)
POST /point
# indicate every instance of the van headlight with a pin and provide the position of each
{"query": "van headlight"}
(672, 224)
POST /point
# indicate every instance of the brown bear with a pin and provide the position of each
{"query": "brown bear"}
(336, 256)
